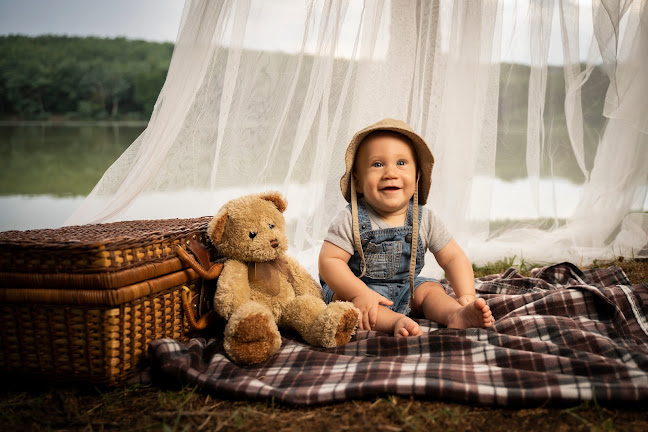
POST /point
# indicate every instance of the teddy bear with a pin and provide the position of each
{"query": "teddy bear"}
(261, 289)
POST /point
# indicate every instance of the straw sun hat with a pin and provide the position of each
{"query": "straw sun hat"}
(424, 163)
(424, 158)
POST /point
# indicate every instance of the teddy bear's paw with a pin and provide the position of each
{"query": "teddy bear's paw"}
(252, 339)
(347, 326)
(336, 324)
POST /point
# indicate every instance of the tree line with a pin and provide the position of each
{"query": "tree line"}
(84, 78)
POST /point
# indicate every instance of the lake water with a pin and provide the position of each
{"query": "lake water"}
(22, 212)
(48, 169)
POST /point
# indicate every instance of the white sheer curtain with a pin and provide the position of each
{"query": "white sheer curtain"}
(536, 112)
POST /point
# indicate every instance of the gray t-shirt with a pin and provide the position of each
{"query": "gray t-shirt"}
(432, 231)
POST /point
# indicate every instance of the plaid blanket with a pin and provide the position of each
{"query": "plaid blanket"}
(563, 335)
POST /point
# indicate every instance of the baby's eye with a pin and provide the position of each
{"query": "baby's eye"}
(252, 235)
(401, 162)
(271, 226)
(377, 164)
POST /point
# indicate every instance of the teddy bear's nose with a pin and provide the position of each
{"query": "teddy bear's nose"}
(274, 243)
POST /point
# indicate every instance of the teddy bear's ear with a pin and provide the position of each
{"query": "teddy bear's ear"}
(217, 226)
(277, 199)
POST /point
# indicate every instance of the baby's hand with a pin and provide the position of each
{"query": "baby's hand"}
(368, 302)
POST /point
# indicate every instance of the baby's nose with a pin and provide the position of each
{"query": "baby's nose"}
(390, 173)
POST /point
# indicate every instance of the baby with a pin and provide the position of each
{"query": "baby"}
(374, 250)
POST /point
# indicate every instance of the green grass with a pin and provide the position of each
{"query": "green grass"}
(500, 266)
(602, 420)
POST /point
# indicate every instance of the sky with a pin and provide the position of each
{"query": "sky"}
(152, 20)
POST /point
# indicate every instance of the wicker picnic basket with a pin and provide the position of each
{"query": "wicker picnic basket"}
(82, 303)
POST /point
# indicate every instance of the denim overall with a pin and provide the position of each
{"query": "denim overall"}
(387, 254)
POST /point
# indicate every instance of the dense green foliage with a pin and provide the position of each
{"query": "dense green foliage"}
(85, 78)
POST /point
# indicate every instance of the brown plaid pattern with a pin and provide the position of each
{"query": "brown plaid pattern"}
(561, 336)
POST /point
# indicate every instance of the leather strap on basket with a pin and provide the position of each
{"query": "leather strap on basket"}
(205, 269)
(189, 312)
(199, 251)
(208, 272)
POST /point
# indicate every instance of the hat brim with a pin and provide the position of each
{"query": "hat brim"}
(424, 157)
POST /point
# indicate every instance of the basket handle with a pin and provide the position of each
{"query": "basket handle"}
(205, 270)
(189, 313)
(213, 272)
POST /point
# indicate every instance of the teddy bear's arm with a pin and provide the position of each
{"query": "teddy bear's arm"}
(233, 288)
(303, 282)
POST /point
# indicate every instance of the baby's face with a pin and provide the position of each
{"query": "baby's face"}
(385, 173)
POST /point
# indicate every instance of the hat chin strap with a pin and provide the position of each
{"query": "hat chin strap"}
(356, 227)
(415, 230)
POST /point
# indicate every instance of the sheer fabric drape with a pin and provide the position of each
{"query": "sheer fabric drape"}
(536, 112)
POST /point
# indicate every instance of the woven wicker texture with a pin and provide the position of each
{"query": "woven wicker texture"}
(93, 297)
(94, 248)
(82, 303)
(101, 345)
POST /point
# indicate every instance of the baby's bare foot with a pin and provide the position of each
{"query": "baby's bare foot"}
(406, 326)
(474, 314)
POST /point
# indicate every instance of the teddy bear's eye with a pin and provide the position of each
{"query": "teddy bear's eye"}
(271, 226)
(252, 235)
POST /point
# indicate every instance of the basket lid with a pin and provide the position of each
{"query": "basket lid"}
(97, 256)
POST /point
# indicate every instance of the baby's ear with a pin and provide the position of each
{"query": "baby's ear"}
(277, 199)
(356, 183)
(217, 227)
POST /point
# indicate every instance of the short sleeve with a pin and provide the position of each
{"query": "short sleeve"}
(434, 232)
(340, 232)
